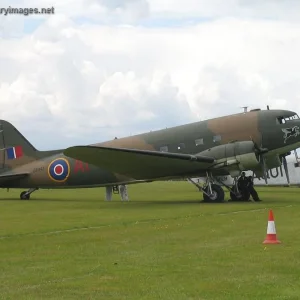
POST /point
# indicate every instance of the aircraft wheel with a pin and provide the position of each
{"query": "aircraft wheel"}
(24, 196)
(244, 196)
(234, 197)
(218, 194)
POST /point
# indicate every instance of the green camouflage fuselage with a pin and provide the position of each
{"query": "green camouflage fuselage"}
(263, 127)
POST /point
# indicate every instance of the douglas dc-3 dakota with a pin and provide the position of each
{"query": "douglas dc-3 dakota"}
(256, 140)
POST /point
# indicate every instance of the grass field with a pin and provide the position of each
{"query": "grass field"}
(163, 244)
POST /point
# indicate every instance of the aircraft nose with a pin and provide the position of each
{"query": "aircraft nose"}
(294, 123)
(292, 130)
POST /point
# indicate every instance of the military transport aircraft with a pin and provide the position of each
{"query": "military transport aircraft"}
(257, 140)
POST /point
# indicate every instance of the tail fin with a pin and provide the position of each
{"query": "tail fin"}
(14, 147)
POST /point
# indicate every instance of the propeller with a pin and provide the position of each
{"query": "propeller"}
(260, 153)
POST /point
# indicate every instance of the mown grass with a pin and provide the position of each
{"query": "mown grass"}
(163, 244)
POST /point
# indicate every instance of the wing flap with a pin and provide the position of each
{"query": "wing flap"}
(140, 164)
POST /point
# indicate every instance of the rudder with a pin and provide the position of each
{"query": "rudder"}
(15, 148)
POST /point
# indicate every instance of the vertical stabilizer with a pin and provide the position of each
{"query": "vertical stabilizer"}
(15, 149)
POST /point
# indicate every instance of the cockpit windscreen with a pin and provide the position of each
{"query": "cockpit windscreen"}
(283, 120)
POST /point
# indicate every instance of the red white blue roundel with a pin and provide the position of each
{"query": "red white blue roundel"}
(59, 170)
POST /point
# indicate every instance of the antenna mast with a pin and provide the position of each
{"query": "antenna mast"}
(245, 108)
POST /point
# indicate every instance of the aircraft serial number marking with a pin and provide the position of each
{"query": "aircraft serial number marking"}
(38, 169)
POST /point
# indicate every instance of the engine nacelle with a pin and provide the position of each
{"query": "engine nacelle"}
(248, 161)
(235, 157)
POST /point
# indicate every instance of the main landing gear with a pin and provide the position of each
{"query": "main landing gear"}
(236, 194)
(211, 192)
(25, 195)
(214, 193)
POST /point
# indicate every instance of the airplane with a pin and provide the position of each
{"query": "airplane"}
(256, 140)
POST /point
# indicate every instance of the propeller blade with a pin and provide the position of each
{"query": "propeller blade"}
(265, 172)
(259, 149)
(259, 152)
(264, 168)
(286, 170)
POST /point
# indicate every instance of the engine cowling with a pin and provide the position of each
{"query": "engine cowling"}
(235, 157)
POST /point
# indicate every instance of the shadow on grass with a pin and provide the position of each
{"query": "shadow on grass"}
(17, 199)
(152, 202)
(131, 202)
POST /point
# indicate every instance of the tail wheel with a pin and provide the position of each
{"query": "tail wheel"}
(24, 196)
(217, 195)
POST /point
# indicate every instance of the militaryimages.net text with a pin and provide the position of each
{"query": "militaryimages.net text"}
(26, 11)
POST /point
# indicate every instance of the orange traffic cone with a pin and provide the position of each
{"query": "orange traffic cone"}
(271, 237)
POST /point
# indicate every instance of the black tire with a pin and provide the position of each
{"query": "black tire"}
(217, 196)
(24, 196)
(245, 196)
(234, 197)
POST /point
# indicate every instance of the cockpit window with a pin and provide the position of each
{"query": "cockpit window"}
(294, 117)
(283, 120)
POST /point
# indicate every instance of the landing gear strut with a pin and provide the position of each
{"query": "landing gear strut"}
(211, 192)
(26, 195)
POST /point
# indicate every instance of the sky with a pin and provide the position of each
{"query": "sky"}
(96, 69)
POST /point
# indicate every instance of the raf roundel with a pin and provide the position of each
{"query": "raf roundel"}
(59, 170)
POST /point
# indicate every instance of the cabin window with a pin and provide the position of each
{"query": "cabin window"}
(181, 146)
(217, 138)
(199, 142)
(163, 149)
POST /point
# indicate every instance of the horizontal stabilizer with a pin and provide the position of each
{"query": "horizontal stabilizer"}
(140, 164)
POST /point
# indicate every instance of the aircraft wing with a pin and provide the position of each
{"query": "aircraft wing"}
(140, 164)
(10, 177)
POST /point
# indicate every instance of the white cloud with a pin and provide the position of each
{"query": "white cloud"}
(132, 11)
(102, 11)
(90, 83)
(276, 9)
(199, 8)
(10, 25)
